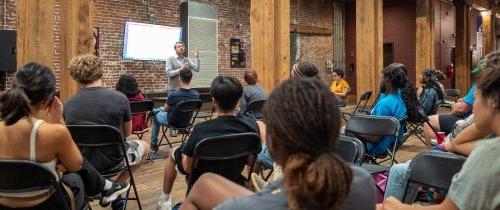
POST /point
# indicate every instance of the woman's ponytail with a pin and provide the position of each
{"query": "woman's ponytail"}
(320, 183)
(14, 105)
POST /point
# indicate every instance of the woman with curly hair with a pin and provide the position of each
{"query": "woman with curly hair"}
(430, 92)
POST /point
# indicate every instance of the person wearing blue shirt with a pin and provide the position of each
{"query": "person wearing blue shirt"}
(397, 99)
(460, 110)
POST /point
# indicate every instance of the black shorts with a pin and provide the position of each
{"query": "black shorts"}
(178, 161)
(447, 122)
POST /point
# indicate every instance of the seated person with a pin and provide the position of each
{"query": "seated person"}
(304, 148)
(304, 69)
(163, 115)
(397, 99)
(252, 92)
(34, 91)
(459, 110)
(429, 92)
(463, 144)
(339, 86)
(476, 186)
(98, 105)
(127, 84)
(225, 91)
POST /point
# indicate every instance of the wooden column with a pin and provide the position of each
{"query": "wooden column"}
(462, 47)
(424, 36)
(270, 26)
(35, 37)
(369, 40)
(489, 31)
(76, 38)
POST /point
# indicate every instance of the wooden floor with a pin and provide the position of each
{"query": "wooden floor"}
(149, 177)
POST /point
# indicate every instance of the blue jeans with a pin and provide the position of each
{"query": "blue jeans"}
(159, 118)
(264, 157)
(396, 183)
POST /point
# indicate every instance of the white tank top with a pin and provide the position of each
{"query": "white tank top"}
(51, 165)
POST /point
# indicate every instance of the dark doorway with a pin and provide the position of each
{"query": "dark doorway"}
(388, 54)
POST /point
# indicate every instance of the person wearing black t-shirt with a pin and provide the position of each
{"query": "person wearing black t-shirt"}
(225, 91)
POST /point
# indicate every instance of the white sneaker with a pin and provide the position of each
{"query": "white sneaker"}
(165, 203)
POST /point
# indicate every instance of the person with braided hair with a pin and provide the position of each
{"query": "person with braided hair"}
(397, 99)
(476, 185)
(302, 125)
(430, 92)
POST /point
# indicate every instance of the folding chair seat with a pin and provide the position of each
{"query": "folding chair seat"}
(92, 139)
(17, 181)
(375, 126)
(254, 108)
(207, 105)
(431, 169)
(361, 105)
(213, 150)
(181, 111)
(350, 149)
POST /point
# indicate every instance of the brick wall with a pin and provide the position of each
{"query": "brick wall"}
(110, 17)
(7, 21)
(315, 49)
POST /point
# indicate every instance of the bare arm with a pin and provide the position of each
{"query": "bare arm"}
(187, 163)
(68, 154)
(262, 131)
(464, 142)
(127, 128)
(166, 107)
(460, 108)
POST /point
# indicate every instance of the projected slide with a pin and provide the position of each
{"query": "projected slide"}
(143, 41)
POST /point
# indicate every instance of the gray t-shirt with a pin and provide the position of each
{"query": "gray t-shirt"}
(476, 186)
(99, 106)
(273, 196)
(251, 93)
(173, 68)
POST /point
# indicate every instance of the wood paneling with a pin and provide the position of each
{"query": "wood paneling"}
(462, 52)
(76, 38)
(270, 26)
(35, 35)
(488, 34)
(424, 37)
(369, 41)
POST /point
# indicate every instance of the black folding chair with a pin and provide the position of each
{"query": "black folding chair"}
(24, 179)
(451, 96)
(181, 111)
(254, 108)
(350, 149)
(416, 128)
(431, 169)
(140, 108)
(375, 126)
(96, 138)
(361, 105)
(207, 105)
(214, 149)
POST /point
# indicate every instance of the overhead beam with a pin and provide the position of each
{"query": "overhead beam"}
(270, 26)
(76, 38)
(369, 41)
(424, 36)
(35, 36)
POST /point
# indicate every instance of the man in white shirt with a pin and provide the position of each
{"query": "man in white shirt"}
(176, 63)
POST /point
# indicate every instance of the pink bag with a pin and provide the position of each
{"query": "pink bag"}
(380, 180)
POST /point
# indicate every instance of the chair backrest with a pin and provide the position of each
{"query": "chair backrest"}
(350, 149)
(139, 107)
(363, 101)
(94, 141)
(433, 169)
(25, 179)
(255, 107)
(216, 149)
(183, 112)
(452, 93)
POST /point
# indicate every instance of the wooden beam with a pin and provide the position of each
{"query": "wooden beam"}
(35, 35)
(270, 26)
(488, 32)
(76, 38)
(424, 36)
(296, 28)
(369, 41)
(462, 51)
